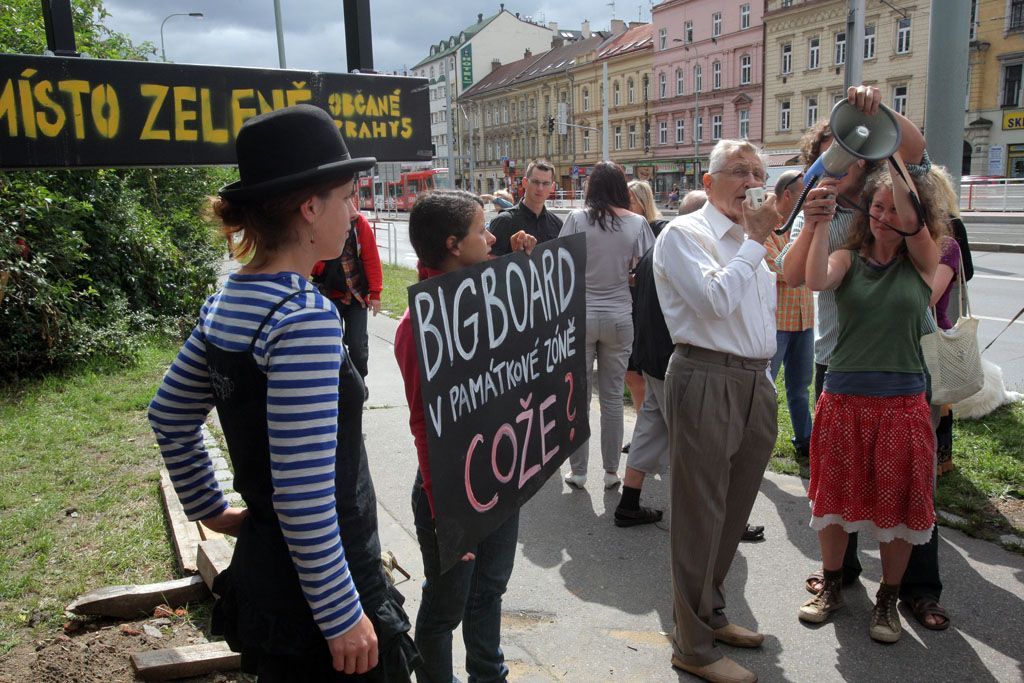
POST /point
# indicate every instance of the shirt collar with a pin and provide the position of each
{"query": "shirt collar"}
(524, 207)
(719, 222)
(424, 272)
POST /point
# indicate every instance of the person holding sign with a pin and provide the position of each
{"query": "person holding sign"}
(616, 239)
(530, 214)
(305, 597)
(718, 298)
(446, 228)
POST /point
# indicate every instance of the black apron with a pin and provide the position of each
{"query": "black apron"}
(260, 608)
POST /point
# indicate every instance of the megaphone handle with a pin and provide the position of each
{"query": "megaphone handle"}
(808, 186)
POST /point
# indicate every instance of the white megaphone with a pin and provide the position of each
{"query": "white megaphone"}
(855, 135)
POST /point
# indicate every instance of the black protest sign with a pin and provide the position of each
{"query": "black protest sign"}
(501, 349)
(66, 111)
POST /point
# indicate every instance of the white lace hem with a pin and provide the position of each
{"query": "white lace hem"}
(912, 536)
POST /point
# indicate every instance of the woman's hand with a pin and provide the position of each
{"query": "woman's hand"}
(865, 98)
(820, 204)
(373, 305)
(228, 522)
(355, 651)
(523, 241)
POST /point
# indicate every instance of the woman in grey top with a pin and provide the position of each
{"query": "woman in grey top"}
(616, 239)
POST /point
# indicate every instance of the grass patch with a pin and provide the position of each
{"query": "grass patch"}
(79, 505)
(395, 299)
(987, 486)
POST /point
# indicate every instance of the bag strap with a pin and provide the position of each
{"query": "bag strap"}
(1012, 321)
(965, 302)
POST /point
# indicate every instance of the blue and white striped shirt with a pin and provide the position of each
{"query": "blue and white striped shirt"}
(300, 350)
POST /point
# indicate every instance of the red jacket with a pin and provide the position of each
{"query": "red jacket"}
(408, 364)
(370, 257)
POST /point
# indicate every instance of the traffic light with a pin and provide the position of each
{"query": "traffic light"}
(551, 124)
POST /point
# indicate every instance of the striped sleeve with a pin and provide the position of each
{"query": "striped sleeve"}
(176, 415)
(302, 354)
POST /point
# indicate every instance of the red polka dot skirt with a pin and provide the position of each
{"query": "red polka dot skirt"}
(872, 466)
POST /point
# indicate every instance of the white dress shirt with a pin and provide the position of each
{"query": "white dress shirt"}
(714, 287)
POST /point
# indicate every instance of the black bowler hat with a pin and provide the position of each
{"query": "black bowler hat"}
(289, 149)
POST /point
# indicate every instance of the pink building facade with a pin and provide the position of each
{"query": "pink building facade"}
(707, 71)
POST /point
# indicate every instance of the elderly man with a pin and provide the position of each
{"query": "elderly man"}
(718, 297)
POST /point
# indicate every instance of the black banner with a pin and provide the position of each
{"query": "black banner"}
(502, 365)
(65, 111)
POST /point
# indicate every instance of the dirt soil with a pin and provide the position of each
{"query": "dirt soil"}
(98, 652)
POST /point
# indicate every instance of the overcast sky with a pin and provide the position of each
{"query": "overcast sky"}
(242, 32)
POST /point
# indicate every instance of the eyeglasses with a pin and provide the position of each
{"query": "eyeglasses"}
(792, 180)
(540, 183)
(741, 173)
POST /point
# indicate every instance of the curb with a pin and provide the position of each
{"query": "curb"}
(994, 246)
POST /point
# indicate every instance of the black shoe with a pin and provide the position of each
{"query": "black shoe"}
(803, 452)
(753, 533)
(625, 449)
(644, 515)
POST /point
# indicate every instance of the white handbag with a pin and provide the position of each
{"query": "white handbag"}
(952, 355)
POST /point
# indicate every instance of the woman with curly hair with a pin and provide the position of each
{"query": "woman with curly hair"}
(872, 445)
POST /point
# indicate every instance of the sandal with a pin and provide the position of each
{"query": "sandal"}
(924, 607)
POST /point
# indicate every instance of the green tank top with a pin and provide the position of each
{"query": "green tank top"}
(880, 317)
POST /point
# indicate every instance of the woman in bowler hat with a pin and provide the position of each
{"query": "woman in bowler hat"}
(305, 597)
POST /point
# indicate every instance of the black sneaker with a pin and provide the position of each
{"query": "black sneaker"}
(643, 515)
(625, 449)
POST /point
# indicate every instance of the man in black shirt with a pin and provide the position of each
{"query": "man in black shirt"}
(529, 214)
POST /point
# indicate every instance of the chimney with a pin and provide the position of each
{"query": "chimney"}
(495, 64)
(586, 29)
(557, 41)
(502, 6)
(634, 24)
(553, 25)
(618, 26)
(527, 54)
(480, 18)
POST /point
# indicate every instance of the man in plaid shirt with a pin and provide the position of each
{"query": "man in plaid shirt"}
(794, 316)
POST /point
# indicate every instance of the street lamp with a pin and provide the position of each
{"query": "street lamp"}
(163, 54)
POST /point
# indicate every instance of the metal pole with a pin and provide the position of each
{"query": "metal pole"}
(280, 34)
(472, 153)
(605, 156)
(853, 74)
(60, 33)
(451, 129)
(697, 134)
(358, 39)
(944, 108)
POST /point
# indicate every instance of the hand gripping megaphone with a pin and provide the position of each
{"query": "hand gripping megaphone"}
(855, 135)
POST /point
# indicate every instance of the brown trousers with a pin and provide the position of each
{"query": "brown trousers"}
(722, 424)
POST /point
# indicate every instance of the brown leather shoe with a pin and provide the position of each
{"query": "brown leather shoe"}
(737, 636)
(723, 670)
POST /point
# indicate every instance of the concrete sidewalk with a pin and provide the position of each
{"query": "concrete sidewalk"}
(591, 602)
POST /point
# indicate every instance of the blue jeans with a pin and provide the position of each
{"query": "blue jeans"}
(795, 350)
(470, 593)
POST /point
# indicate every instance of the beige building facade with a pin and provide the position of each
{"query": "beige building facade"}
(806, 49)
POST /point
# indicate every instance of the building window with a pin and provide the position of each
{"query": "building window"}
(504, 113)
(586, 142)
(787, 58)
(647, 87)
(716, 127)
(840, 54)
(812, 111)
(699, 129)
(1011, 85)
(615, 94)
(687, 32)
(680, 84)
(630, 91)
(787, 3)
(837, 98)
(1016, 16)
(632, 136)
(662, 87)
(662, 38)
(662, 132)
(586, 99)
(716, 76)
(697, 81)
(784, 115)
(903, 36)
(680, 131)
(618, 137)
(745, 70)
(744, 116)
(813, 52)
(745, 15)
(899, 99)
(716, 24)
(869, 42)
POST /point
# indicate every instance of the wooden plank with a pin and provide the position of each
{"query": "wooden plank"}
(209, 534)
(184, 533)
(129, 602)
(213, 558)
(186, 661)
